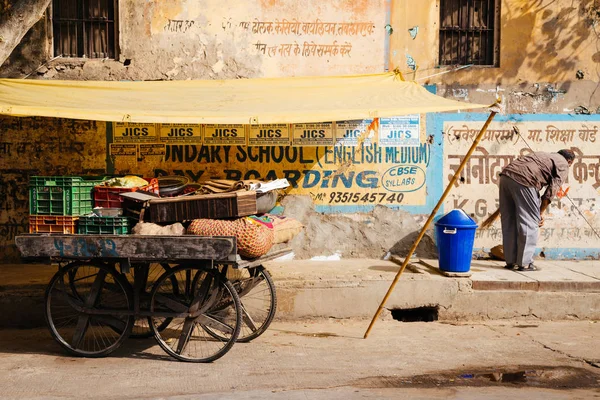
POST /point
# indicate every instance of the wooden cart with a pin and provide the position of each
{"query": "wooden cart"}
(192, 293)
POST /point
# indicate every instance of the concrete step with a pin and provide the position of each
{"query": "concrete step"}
(354, 289)
(565, 276)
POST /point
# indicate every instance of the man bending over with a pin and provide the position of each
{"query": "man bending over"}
(522, 209)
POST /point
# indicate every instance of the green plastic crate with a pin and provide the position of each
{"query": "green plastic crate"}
(94, 225)
(62, 195)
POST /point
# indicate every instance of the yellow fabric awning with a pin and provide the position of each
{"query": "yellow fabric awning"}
(236, 101)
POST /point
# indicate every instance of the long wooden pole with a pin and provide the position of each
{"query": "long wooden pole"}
(431, 216)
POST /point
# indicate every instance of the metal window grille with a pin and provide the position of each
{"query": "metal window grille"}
(468, 32)
(84, 28)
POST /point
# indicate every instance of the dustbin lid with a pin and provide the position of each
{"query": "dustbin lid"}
(457, 219)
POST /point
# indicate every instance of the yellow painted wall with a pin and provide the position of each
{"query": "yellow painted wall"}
(541, 41)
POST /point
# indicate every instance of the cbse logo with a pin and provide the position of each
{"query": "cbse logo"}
(403, 178)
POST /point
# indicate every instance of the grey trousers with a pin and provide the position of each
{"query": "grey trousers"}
(520, 217)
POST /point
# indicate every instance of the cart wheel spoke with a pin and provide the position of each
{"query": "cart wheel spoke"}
(115, 323)
(249, 284)
(80, 329)
(141, 328)
(171, 304)
(217, 302)
(81, 286)
(73, 301)
(96, 288)
(199, 291)
(184, 337)
(247, 319)
(258, 301)
(207, 320)
(206, 296)
(212, 301)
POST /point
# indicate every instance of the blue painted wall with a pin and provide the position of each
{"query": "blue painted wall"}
(436, 183)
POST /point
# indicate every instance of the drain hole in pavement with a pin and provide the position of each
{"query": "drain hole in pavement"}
(419, 314)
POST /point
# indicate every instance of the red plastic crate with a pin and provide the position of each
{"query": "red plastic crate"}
(52, 224)
(109, 197)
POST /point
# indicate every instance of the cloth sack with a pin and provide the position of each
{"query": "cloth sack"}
(266, 201)
(497, 252)
(285, 229)
(128, 181)
(147, 228)
(263, 220)
(225, 186)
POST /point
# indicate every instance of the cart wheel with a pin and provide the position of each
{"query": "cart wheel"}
(202, 299)
(141, 327)
(258, 299)
(88, 285)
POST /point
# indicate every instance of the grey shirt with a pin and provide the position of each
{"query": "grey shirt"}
(538, 170)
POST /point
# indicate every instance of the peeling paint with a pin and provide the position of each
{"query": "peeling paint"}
(410, 62)
(413, 32)
(555, 92)
(218, 66)
(460, 93)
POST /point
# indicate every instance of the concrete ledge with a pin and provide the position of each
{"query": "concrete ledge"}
(355, 288)
(565, 276)
(485, 305)
(22, 308)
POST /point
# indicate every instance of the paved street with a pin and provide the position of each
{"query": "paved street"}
(327, 359)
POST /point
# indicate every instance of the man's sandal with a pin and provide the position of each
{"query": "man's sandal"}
(510, 266)
(530, 267)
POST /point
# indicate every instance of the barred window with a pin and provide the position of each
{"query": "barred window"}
(469, 32)
(85, 28)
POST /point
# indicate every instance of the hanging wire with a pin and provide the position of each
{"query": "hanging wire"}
(516, 130)
(445, 72)
(45, 63)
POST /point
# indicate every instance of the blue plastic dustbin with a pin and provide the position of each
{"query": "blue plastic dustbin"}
(455, 233)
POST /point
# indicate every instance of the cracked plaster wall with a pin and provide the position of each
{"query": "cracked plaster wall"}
(549, 56)
(215, 39)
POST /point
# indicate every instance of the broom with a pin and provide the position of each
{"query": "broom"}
(496, 251)
(490, 220)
